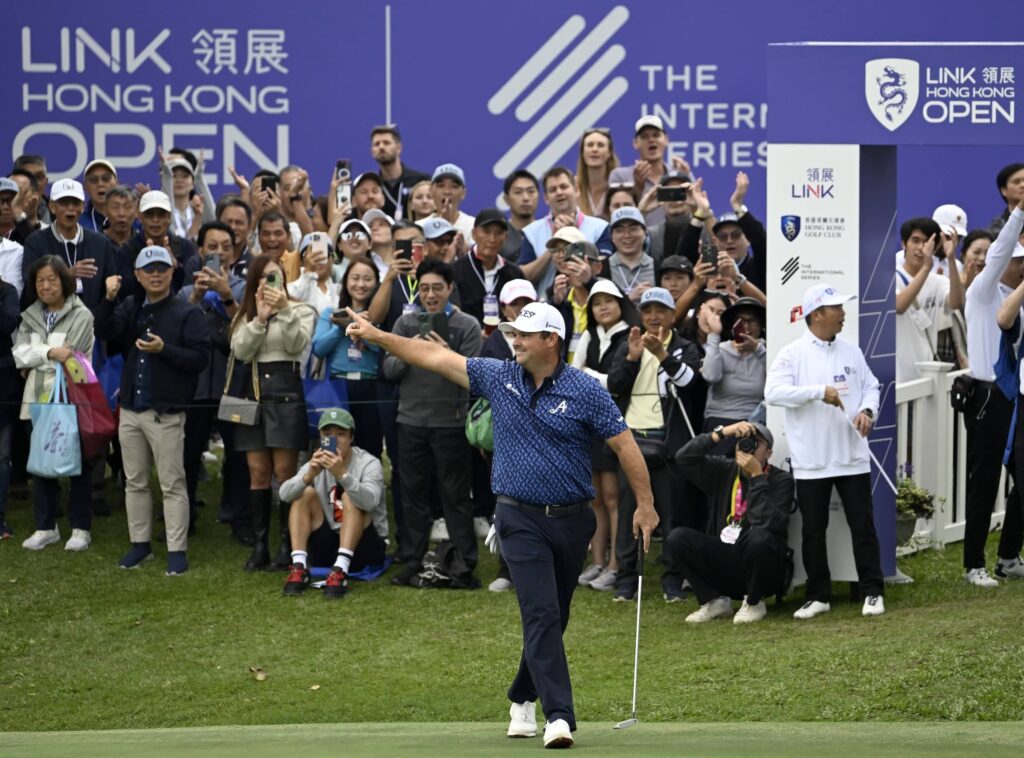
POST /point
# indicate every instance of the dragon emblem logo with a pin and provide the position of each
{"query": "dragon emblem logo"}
(891, 88)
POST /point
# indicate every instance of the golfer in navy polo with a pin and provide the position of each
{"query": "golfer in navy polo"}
(545, 415)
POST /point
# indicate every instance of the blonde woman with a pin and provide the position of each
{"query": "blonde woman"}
(596, 160)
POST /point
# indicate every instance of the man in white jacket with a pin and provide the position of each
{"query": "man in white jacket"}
(831, 400)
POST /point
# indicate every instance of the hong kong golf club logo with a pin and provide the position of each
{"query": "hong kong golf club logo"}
(891, 87)
(790, 227)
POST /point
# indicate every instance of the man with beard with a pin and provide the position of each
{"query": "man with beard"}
(397, 179)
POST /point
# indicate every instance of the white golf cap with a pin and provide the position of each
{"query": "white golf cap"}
(823, 294)
(67, 188)
(515, 289)
(951, 217)
(645, 121)
(568, 234)
(604, 287)
(174, 163)
(376, 213)
(154, 200)
(99, 162)
(536, 317)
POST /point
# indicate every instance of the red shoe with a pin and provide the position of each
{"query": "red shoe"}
(337, 584)
(297, 581)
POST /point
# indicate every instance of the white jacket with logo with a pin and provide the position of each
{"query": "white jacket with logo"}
(821, 437)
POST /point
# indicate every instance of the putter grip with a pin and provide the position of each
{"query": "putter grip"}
(640, 556)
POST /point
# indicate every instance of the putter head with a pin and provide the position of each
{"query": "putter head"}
(626, 724)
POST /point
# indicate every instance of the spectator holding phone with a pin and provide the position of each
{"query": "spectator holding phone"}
(54, 325)
(651, 144)
(672, 194)
(339, 513)
(354, 239)
(571, 288)
(167, 346)
(431, 422)
(315, 286)
(270, 335)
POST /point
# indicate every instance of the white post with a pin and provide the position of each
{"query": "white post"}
(933, 445)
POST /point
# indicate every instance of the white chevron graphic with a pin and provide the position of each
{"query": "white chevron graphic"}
(592, 85)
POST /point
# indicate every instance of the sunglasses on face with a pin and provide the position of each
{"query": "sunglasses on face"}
(349, 236)
(729, 236)
(97, 178)
(156, 268)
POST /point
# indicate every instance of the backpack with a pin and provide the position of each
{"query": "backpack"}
(480, 425)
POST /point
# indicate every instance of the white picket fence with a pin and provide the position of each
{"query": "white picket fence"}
(931, 437)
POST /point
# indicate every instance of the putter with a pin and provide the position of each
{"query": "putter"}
(636, 649)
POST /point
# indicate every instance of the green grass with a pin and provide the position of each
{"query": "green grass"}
(86, 646)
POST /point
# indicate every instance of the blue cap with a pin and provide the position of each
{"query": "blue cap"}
(8, 185)
(658, 295)
(449, 170)
(153, 254)
(725, 218)
(628, 213)
(435, 227)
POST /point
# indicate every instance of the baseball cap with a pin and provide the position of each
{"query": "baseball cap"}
(659, 296)
(725, 218)
(308, 240)
(515, 289)
(354, 222)
(675, 176)
(375, 213)
(174, 163)
(435, 227)
(490, 216)
(627, 213)
(449, 170)
(154, 199)
(568, 234)
(585, 249)
(823, 294)
(951, 217)
(153, 254)
(336, 417)
(67, 188)
(677, 263)
(371, 175)
(763, 431)
(644, 121)
(99, 162)
(605, 287)
(8, 185)
(536, 317)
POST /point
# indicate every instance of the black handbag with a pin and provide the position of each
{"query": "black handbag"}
(960, 392)
(239, 410)
(652, 449)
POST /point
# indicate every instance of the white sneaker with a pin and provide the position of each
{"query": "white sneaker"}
(557, 734)
(40, 538)
(748, 614)
(501, 584)
(977, 577)
(524, 720)
(439, 531)
(590, 573)
(720, 607)
(605, 581)
(874, 605)
(209, 457)
(80, 540)
(1012, 568)
(812, 608)
(481, 526)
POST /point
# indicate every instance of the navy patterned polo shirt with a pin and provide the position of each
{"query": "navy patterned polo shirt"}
(542, 437)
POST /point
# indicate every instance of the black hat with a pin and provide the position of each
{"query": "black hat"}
(675, 176)
(725, 218)
(677, 263)
(490, 216)
(744, 303)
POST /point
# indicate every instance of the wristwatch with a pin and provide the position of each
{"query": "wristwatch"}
(740, 211)
(720, 431)
(740, 279)
(869, 413)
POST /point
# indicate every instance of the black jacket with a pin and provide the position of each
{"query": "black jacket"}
(769, 496)
(174, 370)
(182, 249)
(754, 267)
(93, 245)
(469, 278)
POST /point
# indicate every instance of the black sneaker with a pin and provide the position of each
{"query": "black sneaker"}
(672, 590)
(337, 584)
(5, 531)
(404, 577)
(297, 581)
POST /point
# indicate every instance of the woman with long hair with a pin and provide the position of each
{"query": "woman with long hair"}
(270, 334)
(350, 360)
(595, 163)
(421, 201)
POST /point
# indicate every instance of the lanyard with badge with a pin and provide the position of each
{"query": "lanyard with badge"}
(731, 532)
(628, 286)
(918, 315)
(397, 202)
(491, 316)
(410, 293)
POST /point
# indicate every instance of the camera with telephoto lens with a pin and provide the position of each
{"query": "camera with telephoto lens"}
(747, 444)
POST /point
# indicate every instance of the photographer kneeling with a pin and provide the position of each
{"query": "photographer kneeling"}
(751, 502)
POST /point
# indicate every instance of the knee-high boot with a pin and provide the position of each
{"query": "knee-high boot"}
(259, 506)
(284, 552)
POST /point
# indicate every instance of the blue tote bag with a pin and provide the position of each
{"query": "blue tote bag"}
(321, 391)
(55, 448)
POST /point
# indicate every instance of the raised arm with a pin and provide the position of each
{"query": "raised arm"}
(425, 354)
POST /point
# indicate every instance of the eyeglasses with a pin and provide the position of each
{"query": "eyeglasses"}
(444, 240)
(97, 178)
(349, 236)
(6, 199)
(438, 288)
(156, 268)
(729, 236)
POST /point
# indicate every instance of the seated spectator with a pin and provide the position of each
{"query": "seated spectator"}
(54, 325)
(339, 513)
(10, 384)
(647, 374)
(744, 554)
(155, 213)
(315, 285)
(734, 369)
(597, 160)
(167, 346)
(610, 315)
(631, 269)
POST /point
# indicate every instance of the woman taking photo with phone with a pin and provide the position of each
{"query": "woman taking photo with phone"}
(270, 334)
(351, 360)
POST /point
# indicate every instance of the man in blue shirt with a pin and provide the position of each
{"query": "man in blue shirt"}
(545, 415)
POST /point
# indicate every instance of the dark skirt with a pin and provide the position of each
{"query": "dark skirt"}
(601, 456)
(283, 422)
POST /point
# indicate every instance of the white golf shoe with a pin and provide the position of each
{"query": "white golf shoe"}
(557, 734)
(524, 720)
(748, 614)
(720, 607)
(812, 608)
(40, 538)
(80, 540)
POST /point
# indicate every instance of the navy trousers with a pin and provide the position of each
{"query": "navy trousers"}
(545, 557)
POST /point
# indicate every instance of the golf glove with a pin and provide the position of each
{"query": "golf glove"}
(491, 541)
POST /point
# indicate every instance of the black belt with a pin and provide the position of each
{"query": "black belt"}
(553, 510)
